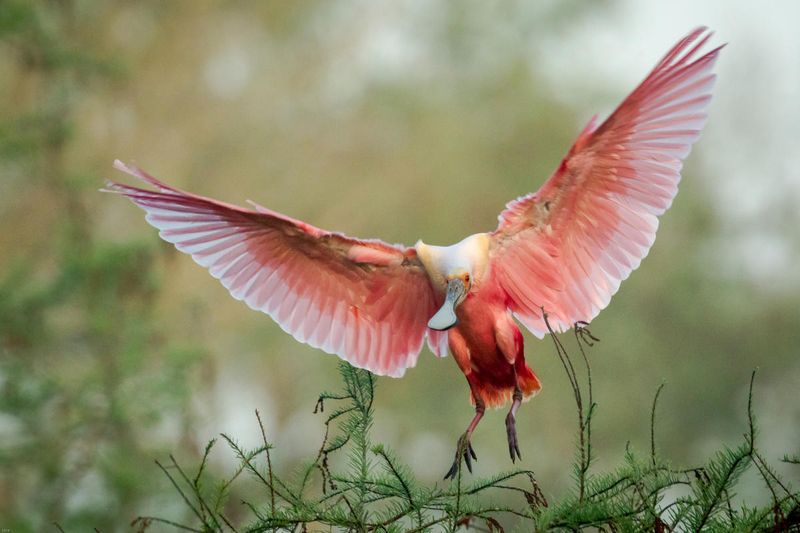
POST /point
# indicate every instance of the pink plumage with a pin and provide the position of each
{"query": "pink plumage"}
(365, 301)
(568, 246)
(565, 249)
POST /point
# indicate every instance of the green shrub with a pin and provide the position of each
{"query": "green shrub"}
(375, 492)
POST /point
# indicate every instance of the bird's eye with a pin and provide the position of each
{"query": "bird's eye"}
(466, 278)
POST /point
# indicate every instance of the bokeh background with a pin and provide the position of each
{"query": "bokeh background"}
(396, 120)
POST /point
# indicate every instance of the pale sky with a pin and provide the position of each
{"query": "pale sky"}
(751, 144)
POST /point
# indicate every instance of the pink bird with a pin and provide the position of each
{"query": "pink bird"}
(564, 249)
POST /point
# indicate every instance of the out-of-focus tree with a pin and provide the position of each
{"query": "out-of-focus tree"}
(86, 374)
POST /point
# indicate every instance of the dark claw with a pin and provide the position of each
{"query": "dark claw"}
(469, 456)
(464, 451)
(468, 461)
(513, 444)
(451, 474)
(472, 452)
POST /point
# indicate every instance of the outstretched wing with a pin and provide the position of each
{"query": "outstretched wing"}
(366, 301)
(567, 247)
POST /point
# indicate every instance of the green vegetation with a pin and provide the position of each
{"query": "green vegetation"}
(373, 491)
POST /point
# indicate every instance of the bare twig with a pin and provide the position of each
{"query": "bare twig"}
(180, 491)
(653, 425)
(566, 362)
(145, 520)
(269, 463)
(583, 335)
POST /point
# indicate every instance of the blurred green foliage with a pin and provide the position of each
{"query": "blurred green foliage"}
(114, 349)
(373, 491)
(86, 370)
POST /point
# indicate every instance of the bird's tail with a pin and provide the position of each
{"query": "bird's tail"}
(527, 381)
(495, 397)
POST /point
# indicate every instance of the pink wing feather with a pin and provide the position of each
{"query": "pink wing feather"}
(365, 301)
(567, 247)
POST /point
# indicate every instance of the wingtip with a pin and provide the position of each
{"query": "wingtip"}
(137, 172)
(133, 170)
(704, 34)
(110, 186)
(700, 31)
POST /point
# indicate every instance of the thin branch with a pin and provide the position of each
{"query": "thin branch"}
(582, 333)
(251, 467)
(566, 361)
(653, 425)
(406, 490)
(180, 491)
(269, 463)
(164, 521)
(203, 506)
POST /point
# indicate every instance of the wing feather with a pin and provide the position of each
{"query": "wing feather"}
(567, 247)
(365, 301)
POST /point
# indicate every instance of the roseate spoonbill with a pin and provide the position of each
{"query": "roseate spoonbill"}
(564, 249)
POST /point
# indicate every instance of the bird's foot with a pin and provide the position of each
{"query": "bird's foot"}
(513, 444)
(463, 450)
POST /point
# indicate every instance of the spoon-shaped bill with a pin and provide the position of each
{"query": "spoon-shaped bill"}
(445, 317)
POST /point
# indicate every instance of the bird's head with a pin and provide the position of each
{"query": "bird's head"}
(459, 281)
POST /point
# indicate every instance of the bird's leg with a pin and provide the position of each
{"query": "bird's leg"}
(464, 446)
(511, 429)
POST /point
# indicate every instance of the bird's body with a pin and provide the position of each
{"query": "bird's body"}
(563, 251)
(485, 342)
(488, 346)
